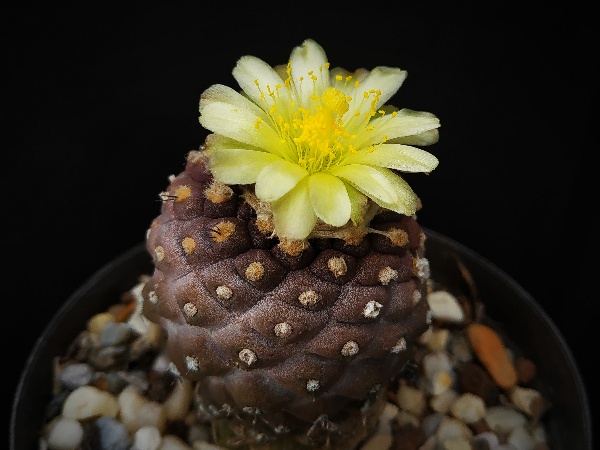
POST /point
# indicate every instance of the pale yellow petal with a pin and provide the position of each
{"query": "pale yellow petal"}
(329, 199)
(293, 214)
(251, 70)
(277, 179)
(306, 59)
(396, 156)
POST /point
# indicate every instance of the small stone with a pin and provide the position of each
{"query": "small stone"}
(521, 439)
(411, 399)
(469, 408)
(76, 375)
(526, 370)
(113, 434)
(65, 434)
(114, 334)
(88, 402)
(147, 438)
(503, 419)
(179, 402)
(171, 442)
(452, 428)
(445, 307)
(528, 400)
(442, 402)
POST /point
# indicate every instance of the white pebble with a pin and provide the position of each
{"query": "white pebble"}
(137, 411)
(411, 399)
(438, 340)
(487, 437)
(65, 434)
(435, 362)
(200, 445)
(430, 423)
(147, 438)
(441, 382)
(444, 306)
(170, 442)
(521, 439)
(179, 401)
(442, 402)
(469, 408)
(382, 438)
(503, 419)
(457, 443)
(87, 402)
(451, 428)
(528, 400)
(406, 418)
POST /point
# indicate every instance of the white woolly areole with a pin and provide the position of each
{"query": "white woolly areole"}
(152, 297)
(159, 252)
(248, 356)
(387, 274)
(224, 292)
(350, 348)
(372, 309)
(312, 385)
(192, 363)
(190, 309)
(400, 346)
(422, 266)
(283, 329)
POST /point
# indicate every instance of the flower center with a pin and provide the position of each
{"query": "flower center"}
(313, 128)
(320, 131)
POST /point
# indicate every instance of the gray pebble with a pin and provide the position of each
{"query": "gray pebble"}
(112, 434)
(76, 375)
(115, 333)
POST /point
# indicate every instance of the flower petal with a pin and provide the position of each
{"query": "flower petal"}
(382, 185)
(237, 165)
(396, 156)
(329, 198)
(387, 80)
(306, 59)
(293, 214)
(256, 77)
(358, 203)
(277, 179)
(404, 123)
(236, 117)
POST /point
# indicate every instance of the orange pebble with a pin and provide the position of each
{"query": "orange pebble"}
(492, 353)
(126, 312)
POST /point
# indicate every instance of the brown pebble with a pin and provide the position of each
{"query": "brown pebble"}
(479, 426)
(526, 369)
(472, 378)
(407, 437)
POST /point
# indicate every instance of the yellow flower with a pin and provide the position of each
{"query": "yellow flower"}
(316, 142)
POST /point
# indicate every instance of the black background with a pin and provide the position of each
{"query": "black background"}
(100, 105)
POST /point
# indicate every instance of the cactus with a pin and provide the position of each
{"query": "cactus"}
(289, 269)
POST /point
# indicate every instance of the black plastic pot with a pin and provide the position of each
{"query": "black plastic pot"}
(568, 423)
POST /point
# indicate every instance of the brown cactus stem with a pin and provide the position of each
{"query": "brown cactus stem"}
(236, 433)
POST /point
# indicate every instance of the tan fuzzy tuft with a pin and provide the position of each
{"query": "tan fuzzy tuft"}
(293, 247)
(218, 192)
(222, 231)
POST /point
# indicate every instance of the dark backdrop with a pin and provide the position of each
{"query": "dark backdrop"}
(100, 105)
